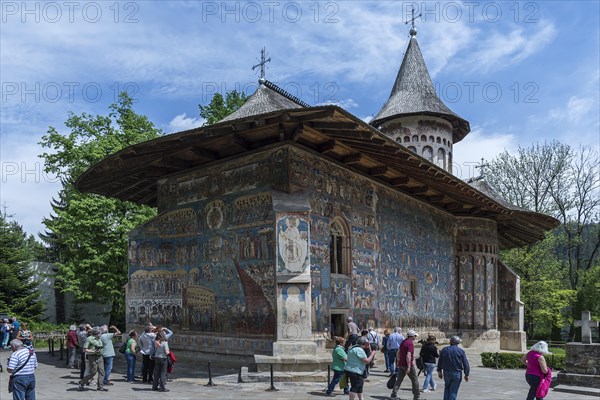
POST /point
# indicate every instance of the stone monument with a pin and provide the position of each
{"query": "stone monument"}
(583, 359)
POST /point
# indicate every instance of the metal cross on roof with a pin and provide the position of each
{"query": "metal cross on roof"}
(261, 64)
(481, 167)
(413, 30)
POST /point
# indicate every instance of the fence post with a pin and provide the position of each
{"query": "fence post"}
(496, 360)
(240, 376)
(62, 348)
(210, 382)
(553, 361)
(328, 375)
(272, 388)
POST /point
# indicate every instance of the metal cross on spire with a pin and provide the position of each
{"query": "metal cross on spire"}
(263, 61)
(413, 30)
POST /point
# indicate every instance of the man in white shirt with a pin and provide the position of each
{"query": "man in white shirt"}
(22, 365)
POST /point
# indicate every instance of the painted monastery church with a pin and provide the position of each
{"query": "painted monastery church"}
(280, 221)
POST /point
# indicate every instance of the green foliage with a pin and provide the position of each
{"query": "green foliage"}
(543, 287)
(20, 296)
(89, 233)
(589, 293)
(219, 108)
(513, 360)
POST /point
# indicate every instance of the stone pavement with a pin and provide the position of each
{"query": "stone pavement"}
(56, 382)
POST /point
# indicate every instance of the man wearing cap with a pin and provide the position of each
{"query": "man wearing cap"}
(405, 365)
(352, 327)
(453, 361)
(95, 363)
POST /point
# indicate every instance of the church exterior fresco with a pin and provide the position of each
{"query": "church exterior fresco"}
(402, 251)
(223, 267)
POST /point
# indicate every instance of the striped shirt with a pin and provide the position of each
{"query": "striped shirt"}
(19, 357)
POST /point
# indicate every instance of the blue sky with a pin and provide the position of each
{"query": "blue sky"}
(519, 72)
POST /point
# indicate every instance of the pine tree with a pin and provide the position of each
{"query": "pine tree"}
(20, 295)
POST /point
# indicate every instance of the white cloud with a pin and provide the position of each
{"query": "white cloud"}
(576, 109)
(502, 49)
(345, 104)
(476, 145)
(182, 122)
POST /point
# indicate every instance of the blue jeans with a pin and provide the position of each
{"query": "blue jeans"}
(429, 367)
(108, 363)
(24, 387)
(451, 384)
(337, 375)
(387, 360)
(392, 360)
(130, 366)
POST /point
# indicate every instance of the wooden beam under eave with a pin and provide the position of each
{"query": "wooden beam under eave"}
(418, 189)
(353, 158)
(240, 141)
(333, 125)
(297, 132)
(176, 163)
(311, 115)
(400, 181)
(204, 153)
(453, 206)
(436, 198)
(328, 147)
(379, 171)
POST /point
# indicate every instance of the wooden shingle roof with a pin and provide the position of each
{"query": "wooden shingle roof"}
(414, 94)
(132, 173)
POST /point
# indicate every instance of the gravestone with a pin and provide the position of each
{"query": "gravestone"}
(583, 359)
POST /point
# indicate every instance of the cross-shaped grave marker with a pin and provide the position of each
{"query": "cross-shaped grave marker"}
(586, 325)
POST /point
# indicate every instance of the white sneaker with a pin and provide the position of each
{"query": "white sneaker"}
(434, 387)
(425, 390)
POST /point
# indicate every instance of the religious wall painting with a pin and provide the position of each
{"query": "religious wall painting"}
(491, 292)
(174, 223)
(465, 301)
(215, 215)
(252, 209)
(341, 293)
(295, 318)
(292, 244)
(479, 291)
(255, 244)
(164, 311)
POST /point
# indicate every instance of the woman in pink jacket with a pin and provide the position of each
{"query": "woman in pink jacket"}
(536, 368)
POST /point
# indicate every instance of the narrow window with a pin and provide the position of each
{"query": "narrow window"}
(339, 248)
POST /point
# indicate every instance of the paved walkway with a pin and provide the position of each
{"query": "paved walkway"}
(56, 382)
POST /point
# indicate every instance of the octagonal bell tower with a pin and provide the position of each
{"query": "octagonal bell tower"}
(415, 116)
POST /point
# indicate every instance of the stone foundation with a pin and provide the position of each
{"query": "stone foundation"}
(513, 340)
(582, 365)
(486, 341)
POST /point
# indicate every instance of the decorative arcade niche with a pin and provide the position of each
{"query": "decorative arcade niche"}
(476, 270)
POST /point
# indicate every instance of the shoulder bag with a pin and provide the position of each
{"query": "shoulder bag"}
(11, 377)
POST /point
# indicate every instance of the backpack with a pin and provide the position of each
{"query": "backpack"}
(419, 363)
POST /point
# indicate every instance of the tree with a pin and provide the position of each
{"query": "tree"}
(543, 288)
(20, 293)
(219, 108)
(577, 199)
(557, 180)
(89, 232)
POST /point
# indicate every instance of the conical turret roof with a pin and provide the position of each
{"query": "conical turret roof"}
(414, 94)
